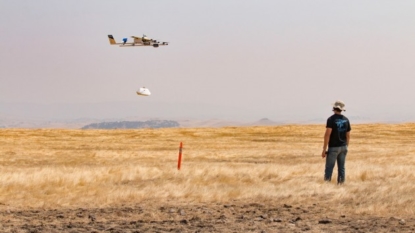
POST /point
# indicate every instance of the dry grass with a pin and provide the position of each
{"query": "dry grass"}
(47, 168)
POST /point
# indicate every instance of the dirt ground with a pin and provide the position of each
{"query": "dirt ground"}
(235, 216)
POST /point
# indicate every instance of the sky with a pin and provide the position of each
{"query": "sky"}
(235, 59)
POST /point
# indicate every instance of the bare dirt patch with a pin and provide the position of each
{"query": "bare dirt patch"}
(234, 216)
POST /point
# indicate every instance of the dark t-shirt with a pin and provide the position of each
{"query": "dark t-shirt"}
(340, 125)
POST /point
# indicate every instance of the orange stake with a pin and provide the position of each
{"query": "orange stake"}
(180, 156)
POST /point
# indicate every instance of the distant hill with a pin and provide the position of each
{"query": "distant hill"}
(265, 121)
(133, 124)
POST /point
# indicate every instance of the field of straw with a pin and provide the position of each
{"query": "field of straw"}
(46, 169)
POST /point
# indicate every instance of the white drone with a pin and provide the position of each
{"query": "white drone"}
(138, 41)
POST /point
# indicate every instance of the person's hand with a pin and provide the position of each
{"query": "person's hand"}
(323, 154)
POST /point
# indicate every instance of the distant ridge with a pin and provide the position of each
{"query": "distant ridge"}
(133, 124)
(264, 122)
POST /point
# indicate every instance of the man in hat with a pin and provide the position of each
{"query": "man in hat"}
(336, 138)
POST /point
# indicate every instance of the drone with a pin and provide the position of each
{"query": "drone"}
(137, 41)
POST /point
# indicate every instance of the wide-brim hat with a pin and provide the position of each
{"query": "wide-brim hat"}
(340, 105)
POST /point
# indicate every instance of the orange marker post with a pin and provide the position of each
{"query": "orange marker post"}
(180, 156)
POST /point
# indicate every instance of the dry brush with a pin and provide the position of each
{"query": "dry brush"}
(56, 168)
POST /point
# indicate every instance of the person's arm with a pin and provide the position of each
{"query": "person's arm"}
(326, 141)
(347, 138)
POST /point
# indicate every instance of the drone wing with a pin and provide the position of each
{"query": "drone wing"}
(137, 40)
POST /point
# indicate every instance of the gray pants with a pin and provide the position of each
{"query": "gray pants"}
(339, 154)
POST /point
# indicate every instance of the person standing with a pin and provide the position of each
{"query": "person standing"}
(337, 139)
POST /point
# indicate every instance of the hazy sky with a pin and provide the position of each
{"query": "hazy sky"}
(267, 57)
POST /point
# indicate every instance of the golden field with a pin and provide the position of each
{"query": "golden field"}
(56, 168)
